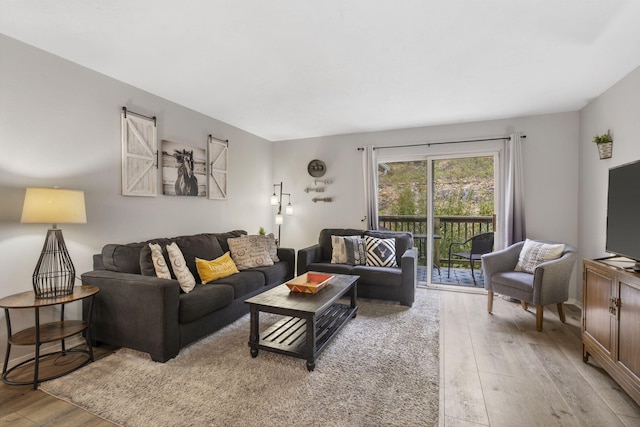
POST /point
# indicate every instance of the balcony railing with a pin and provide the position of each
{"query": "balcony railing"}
(447, 229)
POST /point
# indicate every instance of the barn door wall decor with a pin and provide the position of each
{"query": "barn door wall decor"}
(139, 155)
(217, 163)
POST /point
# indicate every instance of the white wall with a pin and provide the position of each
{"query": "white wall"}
(60, 125)
(551, 174)
(617, 109)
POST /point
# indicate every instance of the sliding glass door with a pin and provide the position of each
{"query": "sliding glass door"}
(442, 200)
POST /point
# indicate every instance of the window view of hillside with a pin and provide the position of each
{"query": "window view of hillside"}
(462, 186)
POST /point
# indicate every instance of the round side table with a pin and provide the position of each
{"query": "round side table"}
(47, 332)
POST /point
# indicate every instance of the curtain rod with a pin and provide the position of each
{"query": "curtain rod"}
(428, 144)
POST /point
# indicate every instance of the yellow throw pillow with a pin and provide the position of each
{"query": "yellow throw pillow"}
(217, 269)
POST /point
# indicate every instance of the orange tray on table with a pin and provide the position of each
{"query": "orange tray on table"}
(309, 283)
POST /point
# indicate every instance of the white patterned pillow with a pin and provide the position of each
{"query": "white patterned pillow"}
(159, 263)
(249, 252)
(272, 247)
(339, 250)
(381, 252)
(356, 250)
(534, 253)
(180, 269)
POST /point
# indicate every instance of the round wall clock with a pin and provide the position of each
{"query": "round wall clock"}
(316, 168)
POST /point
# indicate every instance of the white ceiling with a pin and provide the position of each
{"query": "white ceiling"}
(286, 69)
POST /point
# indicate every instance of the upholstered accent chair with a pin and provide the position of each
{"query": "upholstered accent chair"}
(548, 284)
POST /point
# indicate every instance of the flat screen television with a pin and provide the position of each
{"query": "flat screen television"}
(623, 212)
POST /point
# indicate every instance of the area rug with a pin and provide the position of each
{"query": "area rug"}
(382, 369)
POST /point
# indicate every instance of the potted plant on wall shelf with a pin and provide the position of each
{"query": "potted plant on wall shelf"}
(605, 145)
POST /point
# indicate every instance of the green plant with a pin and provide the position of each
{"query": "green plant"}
(605, 137)
(261, 231)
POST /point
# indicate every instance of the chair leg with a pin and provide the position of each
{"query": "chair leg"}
(490, 301)
(525, 305)
(539, 313)
(473, 276)
(561, 313)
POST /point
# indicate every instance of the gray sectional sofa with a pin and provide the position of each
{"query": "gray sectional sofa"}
(389, 283)
(138, 310)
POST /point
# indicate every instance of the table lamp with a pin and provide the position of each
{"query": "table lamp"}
(54, 274)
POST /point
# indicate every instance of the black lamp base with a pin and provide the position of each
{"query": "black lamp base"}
(55, 274)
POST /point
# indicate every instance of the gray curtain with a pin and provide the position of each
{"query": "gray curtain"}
(370, 169)
(514, 221)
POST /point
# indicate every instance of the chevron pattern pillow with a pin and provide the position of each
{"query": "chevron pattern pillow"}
(380, 252)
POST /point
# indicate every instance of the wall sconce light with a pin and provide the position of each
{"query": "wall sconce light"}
(54, 274)
(276, 200)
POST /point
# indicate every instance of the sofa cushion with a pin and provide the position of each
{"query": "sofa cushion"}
(385, 276)
(404, 241)
(381, 252)
(243, 283)
(249, 252)
(519, 284)
(274, 274)
(204, 299)
(325, 239)
(339, 249)
(534, 253)
(223, 237)
(356, 250)
(186, 279)
(203, 246)
(215, 269)
(125, 258)
(159, 261)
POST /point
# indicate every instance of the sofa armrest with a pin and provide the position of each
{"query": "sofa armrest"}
(288, 255)
(135, 311)
(409, 276)
(308, 256)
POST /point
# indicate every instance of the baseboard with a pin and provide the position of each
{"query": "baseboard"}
(575, 302)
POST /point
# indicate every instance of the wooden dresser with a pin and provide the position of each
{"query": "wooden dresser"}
(611, 321)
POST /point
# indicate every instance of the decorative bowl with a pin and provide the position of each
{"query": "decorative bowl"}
(309, 283)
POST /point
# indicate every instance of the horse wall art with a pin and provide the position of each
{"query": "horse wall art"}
(183, 170)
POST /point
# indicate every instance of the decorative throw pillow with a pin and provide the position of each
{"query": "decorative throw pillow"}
(534, 253)
(180, 269)
(217, 269)
(381, 252)
(249, 252)
(272, 247)
(339, 250)
(356, 250)
(159, 263)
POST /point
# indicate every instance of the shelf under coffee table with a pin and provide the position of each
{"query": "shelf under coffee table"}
(310, 322)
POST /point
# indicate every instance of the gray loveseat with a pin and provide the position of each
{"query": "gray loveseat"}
(138, 310)
(389, 283)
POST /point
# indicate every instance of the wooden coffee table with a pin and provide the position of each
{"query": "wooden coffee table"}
(310, 322)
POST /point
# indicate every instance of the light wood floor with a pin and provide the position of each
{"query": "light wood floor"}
(496, 370)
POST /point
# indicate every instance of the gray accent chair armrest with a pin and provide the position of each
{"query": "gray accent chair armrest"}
(549, 283)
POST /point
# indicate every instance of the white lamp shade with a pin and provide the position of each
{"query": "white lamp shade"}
(289, 209)
(279, 219)
(53, 206)
(274, 200)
